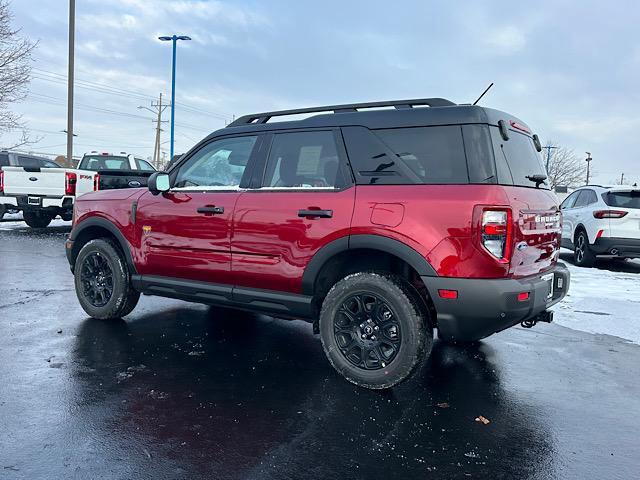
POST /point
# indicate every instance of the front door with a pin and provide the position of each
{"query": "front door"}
(186, 232)
(304, 200)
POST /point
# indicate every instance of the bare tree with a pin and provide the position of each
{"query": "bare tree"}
(565, 167)
(15, 69)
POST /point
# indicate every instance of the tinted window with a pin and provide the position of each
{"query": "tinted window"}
(622, 199)
(217, 164)
(104, 162)
(144, 165)
(479, 151)
(570, 200)
(49, 164)
(29, 162)
(519, 156)
(303, 160)
(433, 154)
(4, 160)
(586, 197)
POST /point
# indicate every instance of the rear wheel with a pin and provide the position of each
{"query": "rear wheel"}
(37, 219)
(103, 282)
(374, 330)
(582, 254)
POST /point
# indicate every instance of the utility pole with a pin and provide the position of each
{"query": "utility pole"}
(549, 147)
(157, 109)
(622, 179)
(588, 160)
(72, 29)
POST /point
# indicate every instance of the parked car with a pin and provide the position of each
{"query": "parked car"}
(377, 225)
(117, 170)
(8, 158)
(602, 220)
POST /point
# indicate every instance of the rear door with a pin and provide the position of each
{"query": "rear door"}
(303, 199)
(186, 232)
(628, 225)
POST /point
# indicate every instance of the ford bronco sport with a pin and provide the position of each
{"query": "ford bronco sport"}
(378, 223)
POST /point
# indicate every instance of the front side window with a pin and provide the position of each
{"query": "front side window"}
(303, 160)
(219, 164)
(29, 162)
(569, 201)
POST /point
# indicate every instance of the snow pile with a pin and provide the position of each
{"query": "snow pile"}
(603, 301)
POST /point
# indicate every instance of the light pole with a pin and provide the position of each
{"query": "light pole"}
(549, 147)
(588, 160)
(174, 39)
(72, 29)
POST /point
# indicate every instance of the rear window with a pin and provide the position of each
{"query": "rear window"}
(622, 199)
(104, 162)
(516, 159)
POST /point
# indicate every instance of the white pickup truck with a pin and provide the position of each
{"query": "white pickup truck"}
(43, 192)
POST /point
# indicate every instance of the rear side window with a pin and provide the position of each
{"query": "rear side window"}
(303, 160)
(29, 162)
(586, 197)
(622, 199)
(4, 160)
(416, 155)
(517, 158)
(433, 154)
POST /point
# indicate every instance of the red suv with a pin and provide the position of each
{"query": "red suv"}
(376, 222)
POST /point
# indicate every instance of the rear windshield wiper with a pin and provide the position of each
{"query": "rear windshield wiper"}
(538, 178)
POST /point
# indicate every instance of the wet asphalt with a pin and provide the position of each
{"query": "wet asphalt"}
(179, 390)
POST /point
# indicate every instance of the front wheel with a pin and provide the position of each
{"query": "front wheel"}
(374, 330)
(582, 254)
(37, 219)
(102, 281)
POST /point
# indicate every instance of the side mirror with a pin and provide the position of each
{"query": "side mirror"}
(159, 182)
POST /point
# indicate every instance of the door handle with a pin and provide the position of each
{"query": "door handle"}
(315, 213)
(211, 210)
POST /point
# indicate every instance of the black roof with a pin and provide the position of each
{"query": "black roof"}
(432, 111)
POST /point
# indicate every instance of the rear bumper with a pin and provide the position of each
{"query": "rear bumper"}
(487, 306)
(622, 247)
(39, 202)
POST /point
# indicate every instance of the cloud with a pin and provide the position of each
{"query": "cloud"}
(506, 40)
(97, 49)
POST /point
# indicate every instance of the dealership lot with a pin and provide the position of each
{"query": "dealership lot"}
(184, 391)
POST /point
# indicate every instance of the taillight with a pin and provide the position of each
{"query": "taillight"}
(96, 182)
(497, 233)
(1, 181)
(70, 181)
(609, 213)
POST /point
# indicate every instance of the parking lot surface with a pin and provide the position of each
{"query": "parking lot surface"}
(180, 390)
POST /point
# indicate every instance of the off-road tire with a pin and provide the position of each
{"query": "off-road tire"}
(583, 256)
(416, 335)
(37, 219)
(123, 298)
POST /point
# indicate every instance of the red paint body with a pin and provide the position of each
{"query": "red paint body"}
(261, 242)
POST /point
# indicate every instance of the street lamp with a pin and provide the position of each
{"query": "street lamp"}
(174, 39)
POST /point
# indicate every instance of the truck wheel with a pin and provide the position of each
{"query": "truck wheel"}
(67, 217)
(374, 329)
(582, 254)
(102, 281)
(37, 219)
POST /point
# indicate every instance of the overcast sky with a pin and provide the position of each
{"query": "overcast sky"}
(571, 69)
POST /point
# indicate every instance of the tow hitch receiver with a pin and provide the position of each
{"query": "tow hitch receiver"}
(546, 317)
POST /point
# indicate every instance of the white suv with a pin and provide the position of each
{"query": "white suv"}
(601, 220)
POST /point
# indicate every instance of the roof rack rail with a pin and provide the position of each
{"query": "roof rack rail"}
(264, 117)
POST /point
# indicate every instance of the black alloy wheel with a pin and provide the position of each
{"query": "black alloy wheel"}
(367, 331)
(96, 277)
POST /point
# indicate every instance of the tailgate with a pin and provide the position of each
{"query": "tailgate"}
(536, 234)
(110, 179)
(42, 182)
(627, 226)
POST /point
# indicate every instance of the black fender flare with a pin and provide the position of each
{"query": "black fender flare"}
(353, 242)
(111, 228)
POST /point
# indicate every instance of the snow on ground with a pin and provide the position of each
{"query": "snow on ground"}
(12, 221)
(604, 299)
